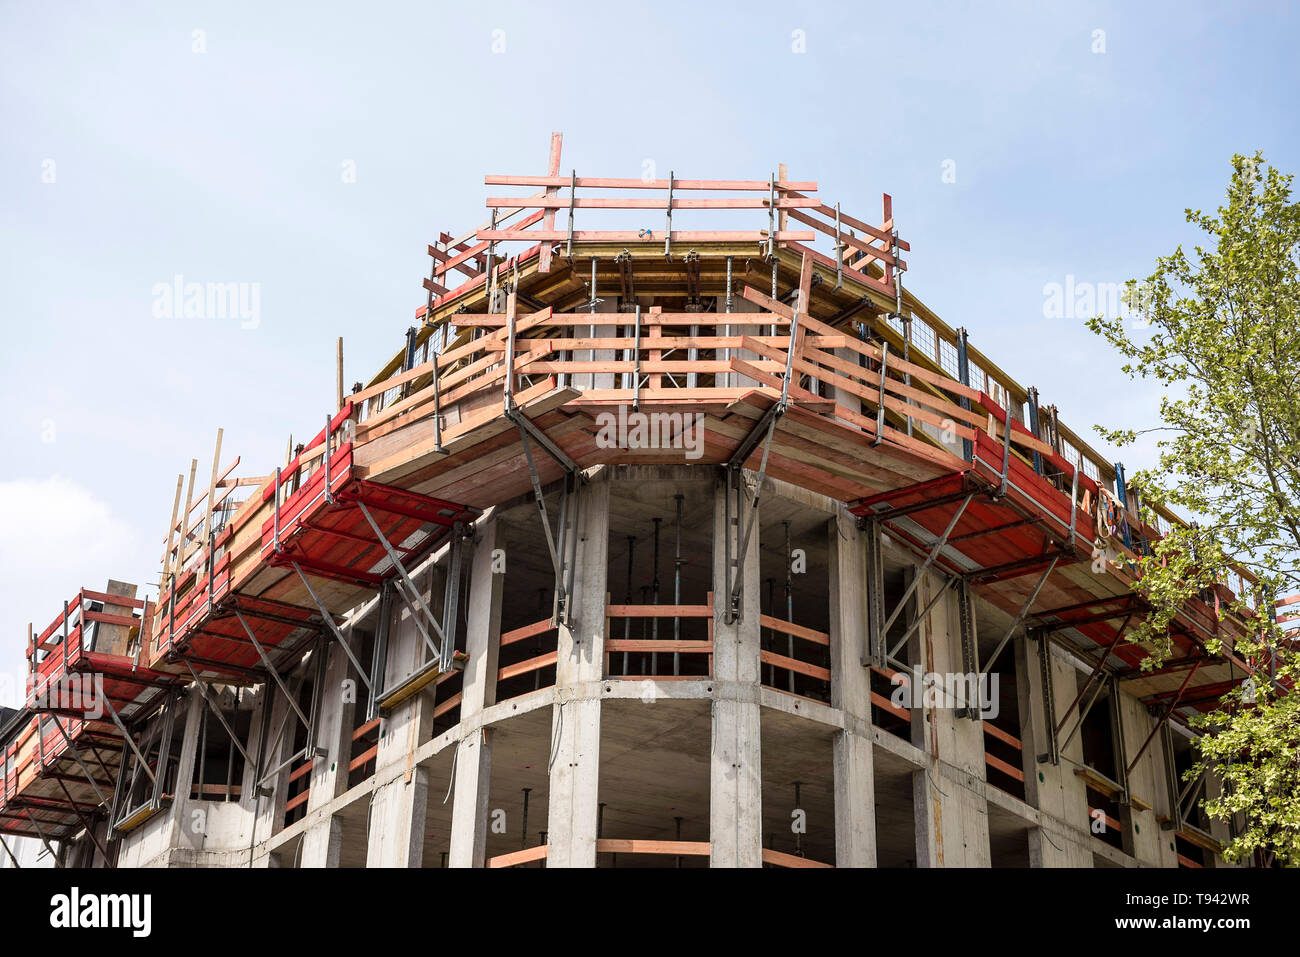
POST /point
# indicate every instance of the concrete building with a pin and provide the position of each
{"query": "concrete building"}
(678, 548)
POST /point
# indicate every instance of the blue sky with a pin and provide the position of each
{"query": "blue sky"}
(225, 166)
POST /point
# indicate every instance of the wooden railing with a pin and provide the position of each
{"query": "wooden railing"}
(993, 761)
(679, 651)
(364, 747)
(547, 635)
(656, 356)
(795, 661)
(517, 858)
(607, 845)
(781, 859)
(300, 799)
(885, 704)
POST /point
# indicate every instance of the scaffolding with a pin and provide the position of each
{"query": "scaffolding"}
(766, 353)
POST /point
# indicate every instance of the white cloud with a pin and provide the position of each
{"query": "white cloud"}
(55, 537)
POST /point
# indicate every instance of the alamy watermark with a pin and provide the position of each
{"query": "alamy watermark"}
(75, 910)
(180, 299)
(1081, 299)
(635, 430)
(77, 692)
(957, 690)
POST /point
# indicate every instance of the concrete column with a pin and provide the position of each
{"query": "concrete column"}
(600, 380)
(736, 773)
(855, 789)
(268, 805)
(1142, 835)
(575, 765)
(843, 397)
(397, 808)
(329, 777)
(184, 832)
(1055, 790)
(1219, 830)
(397, 821)
(1166, 849)
(952, 824)
(322, 844)
(469, 813)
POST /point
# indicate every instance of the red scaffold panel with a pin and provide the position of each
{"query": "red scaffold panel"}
(44, 784)
(1001, 535)
(216, 638)
(70, 680)
(335, 540)
(187, 605)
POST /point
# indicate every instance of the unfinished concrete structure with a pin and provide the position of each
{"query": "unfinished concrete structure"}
(650, 547)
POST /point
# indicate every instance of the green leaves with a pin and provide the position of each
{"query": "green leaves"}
(1220, 329)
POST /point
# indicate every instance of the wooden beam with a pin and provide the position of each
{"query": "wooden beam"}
(548, 221)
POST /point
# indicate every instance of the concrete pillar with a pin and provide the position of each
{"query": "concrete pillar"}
(397, 821)
(329, 777)
(267, 802)
(952, 825)
(186, 829)
(1054, 789)
(736, 766)
(843, 397)
(469, 813)
(1142, 835)
(600, 380)
(397, 808)
(575, 765)
(855, 789)
(1166, 849)
(322, 844)
(1219, 829)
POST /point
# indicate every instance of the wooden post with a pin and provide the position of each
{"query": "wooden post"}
(781, 216)
(212, 487)
(339, 389)
(171, 530)
(185, 516)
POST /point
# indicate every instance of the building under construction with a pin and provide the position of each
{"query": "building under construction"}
(652, 546)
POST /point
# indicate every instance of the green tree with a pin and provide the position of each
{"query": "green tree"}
(1219, 330)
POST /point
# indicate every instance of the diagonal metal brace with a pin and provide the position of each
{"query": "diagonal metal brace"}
(82, 764)
(442, 651)
(526, 425)
(1173, 705)
(1093, 675)
(329, 620)
(44, 839)
(1020, 615)
(735, 576)
(203, 691)
(540, 499)
(916, 622)
(117, 720)
(929, 560)
(17, 866)
(275, 675)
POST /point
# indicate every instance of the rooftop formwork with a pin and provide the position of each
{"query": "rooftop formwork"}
(641, 549)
